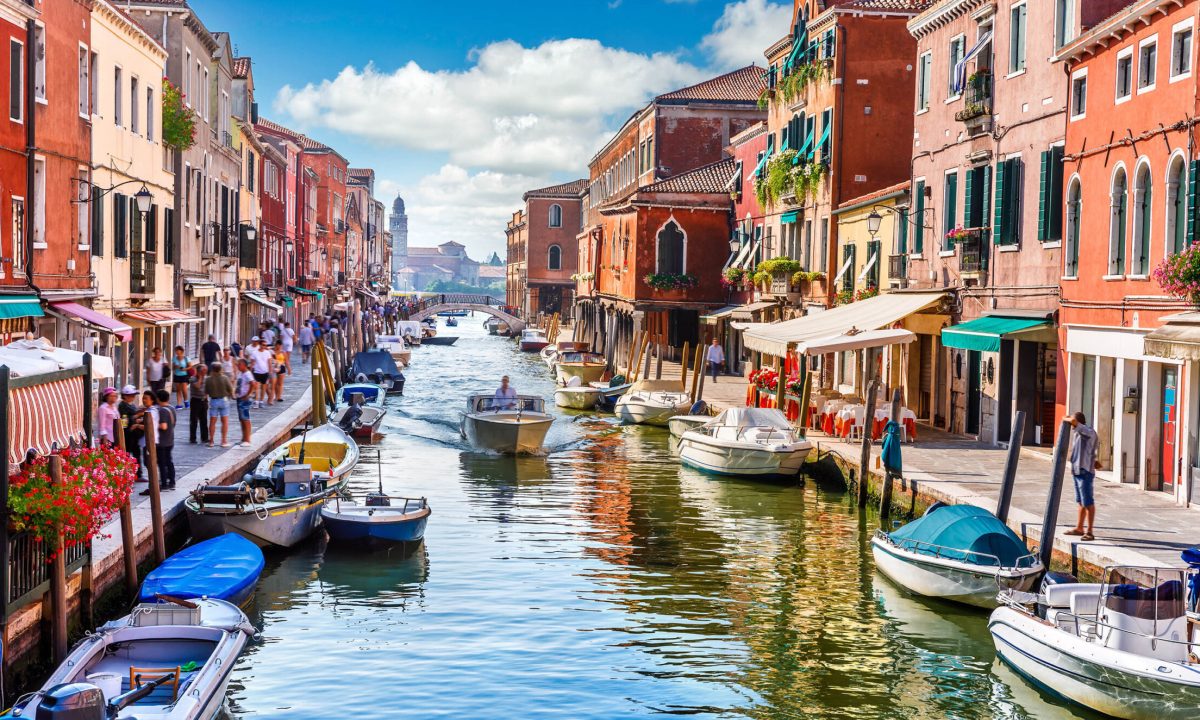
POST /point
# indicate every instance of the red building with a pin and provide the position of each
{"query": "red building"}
(1126, 348)
(543, 249)
(18, 297)
(273, 233)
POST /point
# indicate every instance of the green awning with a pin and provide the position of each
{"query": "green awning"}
(20, 306)
(824, 138)
(305, 291)
(788, 217)
(984, 333)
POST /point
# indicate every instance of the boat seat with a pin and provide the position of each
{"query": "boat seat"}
(167, 692)
(1085, 602)
(1059, 596)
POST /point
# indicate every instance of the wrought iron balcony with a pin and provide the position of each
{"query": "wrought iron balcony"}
(972, 251)
(978, 97)
(142, 266)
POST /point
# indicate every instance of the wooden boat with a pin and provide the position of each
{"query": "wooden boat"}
(652, 402)
(451, 322)
(532, 340)
(280, 502)
(376, 367)
(454, 313)
(745, 442)
(380, 520)
(395, 346)
(222, 568)
(166, 661)
(365, 426)
(571, 346)
(441, 340)
(506, 425)
(960, 553)
(1123, 647)
(588, 367)
(410, 331)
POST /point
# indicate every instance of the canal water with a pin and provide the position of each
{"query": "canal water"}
(602, 581)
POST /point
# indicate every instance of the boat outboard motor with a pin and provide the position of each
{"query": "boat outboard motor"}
(72, 701)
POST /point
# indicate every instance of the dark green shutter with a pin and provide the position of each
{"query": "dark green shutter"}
(97, 221)
(1055, 231)
(848, 278)
(950, 209)
(969, 217)
(1193, 171)
(919, 228)
(998, 217)
(902, 242)
(1044, 198)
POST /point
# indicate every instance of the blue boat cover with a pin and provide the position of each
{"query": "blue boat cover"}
(370, 393)
(962, 532)
(220, 568)
(1191, 556)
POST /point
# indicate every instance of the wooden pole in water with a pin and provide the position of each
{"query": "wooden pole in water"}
(635, 371)
(805, 394)
(780, 383)
(156, 518)
(128, 548)
(659, 349)
(683, 366)
(58, 578)
(633, 342)
(1050, 516)
(697, 369)
(1004, 502)
(864, 459)
(700, 390)
(649, 356)
(885, 495)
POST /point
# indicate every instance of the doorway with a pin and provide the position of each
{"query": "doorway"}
(1170, 418)
(974, 368)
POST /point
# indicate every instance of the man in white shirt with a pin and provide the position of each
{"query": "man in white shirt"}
(260, 365)
(288, 336)
(715, 357)
(268, 337)
(505, 397)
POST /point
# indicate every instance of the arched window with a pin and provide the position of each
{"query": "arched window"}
(1142, 204)
(554, 259)
(1071, 254)
(1119, 203)
(555, 216)
(1176, 234)
(671, 248)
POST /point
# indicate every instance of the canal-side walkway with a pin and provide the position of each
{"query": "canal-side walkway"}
(1133, 526)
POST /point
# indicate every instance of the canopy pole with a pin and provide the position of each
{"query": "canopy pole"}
(1010, 466)
(1050, 517)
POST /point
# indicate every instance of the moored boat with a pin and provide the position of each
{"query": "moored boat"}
(441, 340)
(532, 340)
(369, 416)
(745, 442)
(588, 367)
(280, 502)
(679, 424)
(225, 567)
(451, 322)
(506, 425)
(395, 346)
(381, 519)
(163, 661)
(652, 402)
(960, 553)
(548, 355)
(376, 367)
(577, 397)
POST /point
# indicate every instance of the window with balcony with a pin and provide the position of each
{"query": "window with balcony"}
(554, 258)
(555, 216)
(977, 196)
(1079, 96)
(1147, 65)
(1016, 38)
(1124, 76)
(1181, 52)
(1071, 251)
(1142, 203)
(1118, 209)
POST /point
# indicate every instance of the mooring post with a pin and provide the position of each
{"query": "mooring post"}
(864, 459)
(1010, 466)
(1050, 517)
(58, 578)
(885, 495)
(128, 545)
(156, 518)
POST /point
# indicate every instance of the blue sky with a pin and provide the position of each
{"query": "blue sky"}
(463, 106)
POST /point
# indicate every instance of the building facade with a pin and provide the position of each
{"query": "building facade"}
(546, 230)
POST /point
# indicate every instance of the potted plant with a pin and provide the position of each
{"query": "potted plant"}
(733, 277)
(762, 281)
(1179, 275)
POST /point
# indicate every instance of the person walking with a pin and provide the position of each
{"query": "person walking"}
(244, 391)
(279, 368)
(128, 410)
(219, 388)
(198, 413)
(307, 339)
(210, 351)
(716, 358)
(164, 442)
(267, 335)
(1083, 469)
(106, 416)
(181, 376)
(260, 365)
(156, 370)
(228, 362)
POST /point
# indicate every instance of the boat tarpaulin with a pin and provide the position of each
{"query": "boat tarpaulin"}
(93, 318)
(220, 568)
(374, 363)
(983, 334)
(745, 417)
(962, 532)
(870, 314)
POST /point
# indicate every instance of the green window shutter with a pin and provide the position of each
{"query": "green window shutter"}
(969, 217)
(919, 228)
(998, 217)
(1044, 198)
(902, 232)
(1193, 187)
(848, 278)
(1055, 231)
(97, 221)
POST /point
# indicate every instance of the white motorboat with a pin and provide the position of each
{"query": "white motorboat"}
(652, 402)
(395, 346)
(548, 355)
(680, 424)
(533, 340)
(410, 331)
(574, 395)
(588, 367)
(1121, 647)
(747, 442)
(960, 553)
(163, 661)
(506, 425)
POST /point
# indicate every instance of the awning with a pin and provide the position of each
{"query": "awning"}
(367, 294)
(200, 288)
(100, 321)
(44, 417)
(788, 217)
(20, 306)
(983, 334)
(304, 291)
(1179, 339)
(256, 298)
(746, 312)
(960, 69)
(161, 318)
(856, 341)
(346, 306)
(873, 313)
(720, 314)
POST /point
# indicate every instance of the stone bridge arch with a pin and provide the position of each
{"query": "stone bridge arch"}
(477, 303)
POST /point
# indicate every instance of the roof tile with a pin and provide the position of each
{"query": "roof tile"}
(565, 189)
(744, 85)
(241, 67)
(711, 178)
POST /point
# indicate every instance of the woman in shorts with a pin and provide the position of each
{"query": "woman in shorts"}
(279, 365)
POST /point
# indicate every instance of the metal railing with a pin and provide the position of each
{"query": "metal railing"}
(972, 251)
(978, 97)
(142, 270)
(943, 552)
(29, 568)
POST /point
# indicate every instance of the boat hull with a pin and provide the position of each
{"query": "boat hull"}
(945, 579)
(533, 345)
(648, 412)
(441, 340)
(577, 398)
(375, 529)
(285, 524)
(743, 459)
(586, 372)
(680, 424)
(493, 432)
(1116, 683)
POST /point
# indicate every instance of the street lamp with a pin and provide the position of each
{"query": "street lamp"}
(735, 242)
(873, 222)
(143, 198)
(250, 231)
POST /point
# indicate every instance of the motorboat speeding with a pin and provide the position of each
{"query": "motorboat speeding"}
(506, 422)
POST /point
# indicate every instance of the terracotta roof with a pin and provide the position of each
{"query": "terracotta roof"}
(360, 172)
(882, 193)
(712, 178)
(912, 6)
(300, 139)
(570, 189)
(241, 67)
(744, 85)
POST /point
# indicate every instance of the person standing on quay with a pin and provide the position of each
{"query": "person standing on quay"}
(107, 414)
(156, 370)
(128, 410)
(181, 375)
(1083, 468)
(164, 442)
(260, 364)
(198, 412)
(219, 389)
(307, 339)
(246, 385)
(211, 350)
(715, 357)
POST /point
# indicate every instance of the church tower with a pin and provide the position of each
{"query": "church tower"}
(398, 224)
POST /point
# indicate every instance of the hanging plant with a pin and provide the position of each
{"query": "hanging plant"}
(1179, 275)
(671, 281)
(732, 276)
(178, 120)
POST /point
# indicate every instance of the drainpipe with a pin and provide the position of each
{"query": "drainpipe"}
(30, 147)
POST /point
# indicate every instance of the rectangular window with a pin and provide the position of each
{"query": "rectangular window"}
(120, 231)
(1064, 22)
(1125, 74)
(1006, 228)
(950, 208)
(924, 76)
(151, 229)
(85, 84)
(957, 49)
(18, 234)
(39, 207)
(16, 81)
(1181, 52)
(39, 58)
(97, 207)
(135, 99)
(150, 114)
(94, 72)
(1079, 96)
(169, 235)
(118, 99)
(919, 223)
(81, 212)
(1147, 65)
(205, 90)
(187, 75)
(1016, 39)
(1050, 195)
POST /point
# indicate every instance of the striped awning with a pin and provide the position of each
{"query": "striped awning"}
(41, 417)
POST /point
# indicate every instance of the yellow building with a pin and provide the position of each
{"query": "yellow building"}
(873, 232)
(133, 252)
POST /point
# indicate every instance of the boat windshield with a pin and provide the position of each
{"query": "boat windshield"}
(521, 403)
(1146, 593)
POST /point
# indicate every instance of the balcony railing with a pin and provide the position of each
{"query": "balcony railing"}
(142, 266)
(220, 240)
(29, 569)
(972, 251)
(978, 99)
(226, 139)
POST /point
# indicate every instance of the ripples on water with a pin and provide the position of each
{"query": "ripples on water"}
(602, 581)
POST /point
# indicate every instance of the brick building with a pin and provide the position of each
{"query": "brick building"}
(21, 303)
(543, 245)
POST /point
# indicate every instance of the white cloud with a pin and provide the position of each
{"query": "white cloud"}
(744, 31)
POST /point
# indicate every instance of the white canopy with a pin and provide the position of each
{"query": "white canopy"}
(40, 357)
(408, 327)
(857, 341)
(870, 314)
(751, 417)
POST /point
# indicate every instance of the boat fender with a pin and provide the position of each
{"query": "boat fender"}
(259, 494)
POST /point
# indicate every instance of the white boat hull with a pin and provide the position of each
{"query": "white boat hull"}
(586, 372)
(947, 579)
(640, 409)
(577, 398)
(680, 424)
(746, 459)
(1113, 682)
(505, 432)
